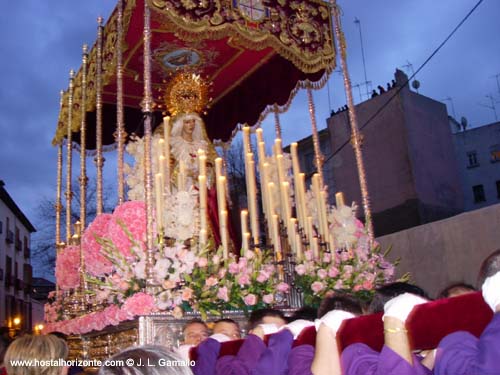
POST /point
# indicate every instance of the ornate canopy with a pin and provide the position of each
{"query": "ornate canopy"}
(255, 52)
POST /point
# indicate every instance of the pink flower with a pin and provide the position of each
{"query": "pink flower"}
(95, 262)
(222, 294)
(243, 279)
(211, 281)
(333, 271)
(242, 263)
(300, 269)
(233, 268)
(317, 286)
(132, 215)
(263, 277)
(139, 304)
(308, 254)
(68, 268)
(268, 298)
(202, 262)
(222, 273)
(250, 299)
(322, 273)
(347, 272)
(282, 287)
(339, 284)
(187, 294)
(327, 258)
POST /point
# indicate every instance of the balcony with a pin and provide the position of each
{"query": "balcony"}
(9, 238)
(27, 252)
(9, 280)
(19, 245)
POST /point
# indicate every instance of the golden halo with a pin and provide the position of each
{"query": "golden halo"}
(185, 93)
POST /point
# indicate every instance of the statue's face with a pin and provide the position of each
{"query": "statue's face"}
(188, 125)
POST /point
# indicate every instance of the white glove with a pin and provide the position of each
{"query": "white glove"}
(297, 326)
(183, 351)
(401, 306)
(220, 337)
(269, 328)
(333, 319)
(491, 291)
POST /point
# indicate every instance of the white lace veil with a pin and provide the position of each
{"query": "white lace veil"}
(178, 124)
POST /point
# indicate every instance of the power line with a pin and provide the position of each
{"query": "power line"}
(409, 79)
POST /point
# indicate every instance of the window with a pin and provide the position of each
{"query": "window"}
(495, 153)
(472, 159)
(498, 189)
(479, 195)
(1, 227)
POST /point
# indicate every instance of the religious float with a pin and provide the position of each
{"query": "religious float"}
(169, 82)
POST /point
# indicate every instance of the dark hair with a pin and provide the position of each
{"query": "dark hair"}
(389, 291)
(306, 313)
(454, 289)
(343, 302)
(489, 267)
(194, 321)
(257, 316)
(227, 320)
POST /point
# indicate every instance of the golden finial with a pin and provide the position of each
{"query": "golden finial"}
(185, 93)
(85, 48)
(99, 20)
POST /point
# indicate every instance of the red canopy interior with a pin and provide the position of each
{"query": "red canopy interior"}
(252, 60)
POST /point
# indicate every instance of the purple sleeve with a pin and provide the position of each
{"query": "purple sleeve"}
(208, 351)
(463, 353)
(300, 360)
(274, 359)
(358, 359)
(244, 361)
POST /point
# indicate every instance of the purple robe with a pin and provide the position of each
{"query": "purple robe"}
(208, 352)
(300, 360)
(358, 359)
(463, 353)
(243, 362)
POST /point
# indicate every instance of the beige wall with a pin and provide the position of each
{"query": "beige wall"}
(446, 251)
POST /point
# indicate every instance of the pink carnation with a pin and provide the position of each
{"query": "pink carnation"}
(222, 294)
(243, 279)
(68, 267)
(250, 299)
(95, 263)
(202, 262)
(139, 304)
(133, 216)
(333, 271)
(211, 281)
(187, 294)
(262, 277)
(300, 269)
(322, 273)
(268, 298)
(282, 287)
(317, 286)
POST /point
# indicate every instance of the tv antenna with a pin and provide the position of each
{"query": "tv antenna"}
(491, 106)
(498, 82)
(366, 83)
(409, 67)
(452, 106)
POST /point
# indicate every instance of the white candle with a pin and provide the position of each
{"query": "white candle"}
(252, 198)
(244, 230)
(260, 135)
(202, 182)
(166, 145)
(246, 139)
(339, 199)
(276, 237)
(278, 149)
(317, 197)
(202, 160)
(159, 202)
(223, 233)
(218, 168)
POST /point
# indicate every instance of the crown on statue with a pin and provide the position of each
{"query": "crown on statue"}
(185, 93)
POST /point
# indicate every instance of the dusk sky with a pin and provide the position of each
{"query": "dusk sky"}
(42, 41)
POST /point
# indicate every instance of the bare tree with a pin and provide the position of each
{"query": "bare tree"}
(43, 249)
